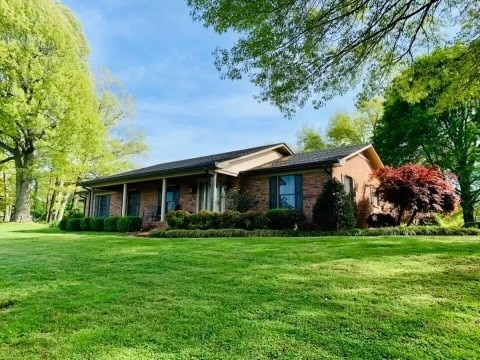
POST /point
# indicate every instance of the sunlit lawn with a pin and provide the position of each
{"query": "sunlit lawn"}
(97, 296)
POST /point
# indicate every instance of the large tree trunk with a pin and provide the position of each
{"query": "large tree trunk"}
(467, 201)
(63, 205)
(7, 212)
(24, 186)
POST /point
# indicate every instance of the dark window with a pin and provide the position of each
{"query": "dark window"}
(102, 206)
(286, 192)
(133, 203)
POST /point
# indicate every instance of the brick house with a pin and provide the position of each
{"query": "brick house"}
(272, 174)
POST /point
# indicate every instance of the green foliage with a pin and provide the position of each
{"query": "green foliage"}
(296, 50)
(381, 231)
(230, 220)
(240, 200)
(62, 224)
(284, 219)
(47, 99)
(204, 220)
(74, 224)
(334, 210)
(129, 224)
(211, 220)
(178, 219)
(85, 224)
(110, 224)
(251, 220)
(96, 224)
(432, 116)
(308, 139)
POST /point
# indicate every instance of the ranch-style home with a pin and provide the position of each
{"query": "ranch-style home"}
(272, 174)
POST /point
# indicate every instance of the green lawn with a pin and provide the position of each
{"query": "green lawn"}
(97, 296)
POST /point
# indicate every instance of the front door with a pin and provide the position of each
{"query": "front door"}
(172, 199)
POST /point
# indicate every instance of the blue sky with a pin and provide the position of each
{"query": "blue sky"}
(165, 61)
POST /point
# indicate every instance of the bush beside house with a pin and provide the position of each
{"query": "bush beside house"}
(334, 209)
(111, 224)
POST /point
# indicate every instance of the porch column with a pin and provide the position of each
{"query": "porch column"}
(92, 204)
(164, 200)
(124, 200)
(214, 192)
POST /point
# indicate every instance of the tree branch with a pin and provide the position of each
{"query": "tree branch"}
(11, 158)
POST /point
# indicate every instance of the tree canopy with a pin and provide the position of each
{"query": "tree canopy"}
(300, 49)
(416, 189)
(46, 90)
(424, 121)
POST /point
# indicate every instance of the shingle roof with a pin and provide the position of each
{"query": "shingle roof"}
(314, 158)
(181, 165)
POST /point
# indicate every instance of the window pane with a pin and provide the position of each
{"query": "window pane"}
(287, 201)
(286, 191)
(286, 185)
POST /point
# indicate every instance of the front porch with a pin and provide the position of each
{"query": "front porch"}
(153, 199)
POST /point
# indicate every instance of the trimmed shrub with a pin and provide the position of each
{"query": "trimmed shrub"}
(63, 224)
(204, 220)
(85, 224)
(334, 209)
(239, 200)
(252, 220)
(284, 219)
(229, 220)
(110, 224)
(386, 231)
(129, 224)
(96, 224)
(381, 220)
(178, 219)
(73, 224)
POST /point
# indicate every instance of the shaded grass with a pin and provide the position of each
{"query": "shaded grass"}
(88, 296)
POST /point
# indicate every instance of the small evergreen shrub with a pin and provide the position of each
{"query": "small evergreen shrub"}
(381, 220)
(204, 220)
(73, 224)
(284, 219)
(334, 209)
(230, 220)
(178, 219)
(129, 224)
(85, 224)
(252, 220)
(110, 224)
(62, 224)
(96, 224)
(239, 200)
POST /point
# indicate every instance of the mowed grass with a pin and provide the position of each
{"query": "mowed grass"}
(98, 296)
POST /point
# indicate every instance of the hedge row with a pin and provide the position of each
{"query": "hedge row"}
(280, 219)
(110, 224)
(386, 231)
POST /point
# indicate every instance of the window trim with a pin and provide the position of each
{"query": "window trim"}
(274, 191)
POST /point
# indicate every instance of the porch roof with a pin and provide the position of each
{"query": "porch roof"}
(186, 165)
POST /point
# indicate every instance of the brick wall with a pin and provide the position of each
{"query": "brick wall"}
(313, 182)
(115, 204)
(360, 169)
